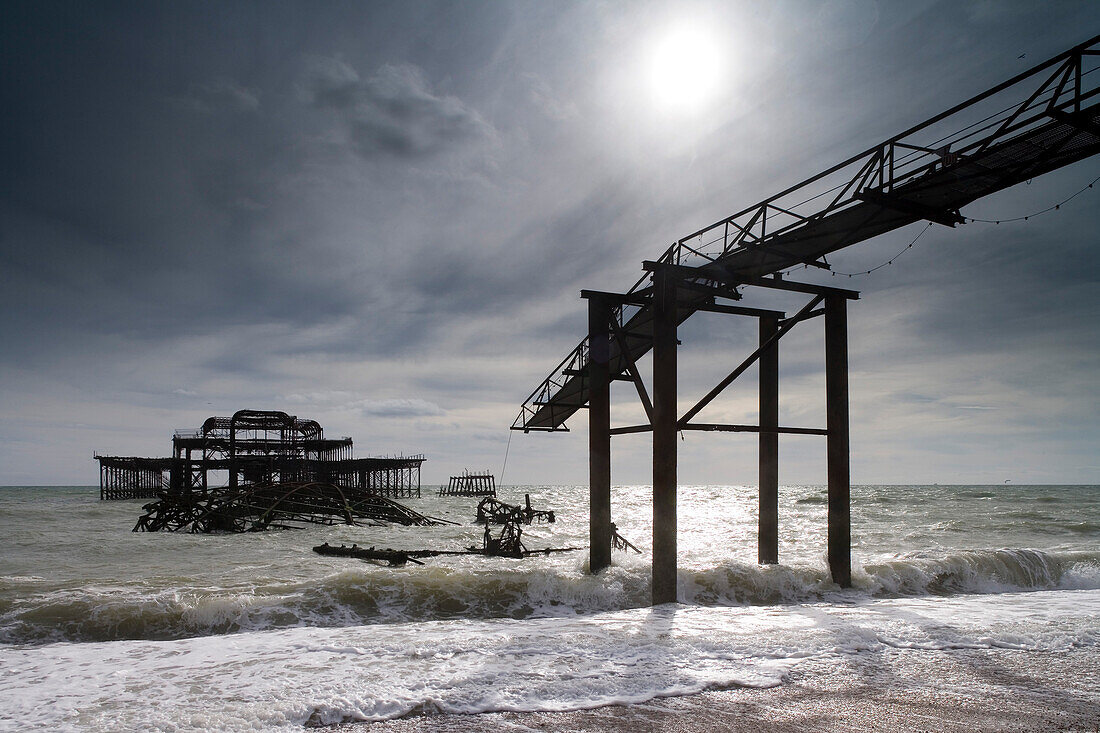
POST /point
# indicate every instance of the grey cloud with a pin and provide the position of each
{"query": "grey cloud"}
(400, 408)
(1011, 289)
(546, 101)
(342, 400)
(219, 95)
(327, 397)
(394, 112)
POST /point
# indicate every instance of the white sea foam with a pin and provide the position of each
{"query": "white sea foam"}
(287, 677)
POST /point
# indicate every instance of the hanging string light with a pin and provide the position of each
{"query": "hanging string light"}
(968, 220)
(1055, 207)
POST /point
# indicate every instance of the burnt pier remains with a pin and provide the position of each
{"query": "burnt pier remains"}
(491, 510)
(470, 484)
(256, 448)
(273, 506)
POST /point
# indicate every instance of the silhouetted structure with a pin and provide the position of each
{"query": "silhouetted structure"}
(256, 508)
(257, 447)
(470, 484)
(491, 510)
(1041, 120)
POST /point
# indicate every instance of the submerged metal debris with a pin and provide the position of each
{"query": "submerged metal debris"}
(494, 511)
(255, 508)
(618, 542)
(505, 543)
(394, 558)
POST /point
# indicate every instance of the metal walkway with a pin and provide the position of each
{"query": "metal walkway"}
(1041, 120)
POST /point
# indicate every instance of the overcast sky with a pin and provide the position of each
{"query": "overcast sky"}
(380, 216)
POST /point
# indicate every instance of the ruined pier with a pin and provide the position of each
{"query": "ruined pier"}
(257, 447)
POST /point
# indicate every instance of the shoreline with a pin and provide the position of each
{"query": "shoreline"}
(898, 690)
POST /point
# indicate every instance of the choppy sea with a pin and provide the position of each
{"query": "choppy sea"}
(105, 629)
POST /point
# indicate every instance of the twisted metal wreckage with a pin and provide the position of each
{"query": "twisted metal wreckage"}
(274, 506)
(507, 542)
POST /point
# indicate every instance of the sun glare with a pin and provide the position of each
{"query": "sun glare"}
(686, 69)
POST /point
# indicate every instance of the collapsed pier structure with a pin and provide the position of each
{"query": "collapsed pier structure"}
(491, 510)
(260, 507)
(1039, 121)
(257, 448)
(470, 484)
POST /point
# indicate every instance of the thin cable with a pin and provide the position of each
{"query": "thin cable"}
(889, 261)
(1055, 207)
(909, 246)
(506, 449)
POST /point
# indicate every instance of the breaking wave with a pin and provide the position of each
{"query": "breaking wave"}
(367, 594)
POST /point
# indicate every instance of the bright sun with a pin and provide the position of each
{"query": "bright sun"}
(686, 69)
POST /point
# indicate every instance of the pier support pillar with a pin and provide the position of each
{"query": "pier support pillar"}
(664, 438)
(599, 434)
(836, 408)
(767, 540)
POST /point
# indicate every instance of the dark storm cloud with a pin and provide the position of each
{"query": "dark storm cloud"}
(214, 215)
(393, 111)
(215, 199)
(388, 209)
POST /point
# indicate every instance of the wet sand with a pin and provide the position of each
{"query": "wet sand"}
(896, 690)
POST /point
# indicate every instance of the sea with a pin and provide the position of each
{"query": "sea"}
(105, 629)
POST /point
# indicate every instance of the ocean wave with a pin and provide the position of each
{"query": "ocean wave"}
(366, 594)
(974, 571)
(914, 574)
(818, 499)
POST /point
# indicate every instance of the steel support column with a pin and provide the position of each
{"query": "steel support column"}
(664, 438)
(599, 434)
(836, 408)
(767, 540)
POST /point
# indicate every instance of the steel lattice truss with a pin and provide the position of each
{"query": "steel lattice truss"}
(1041, 120)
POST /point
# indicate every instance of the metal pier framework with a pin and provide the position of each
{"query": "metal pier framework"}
(257, 447)
(470, 484)
(1038, 121)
